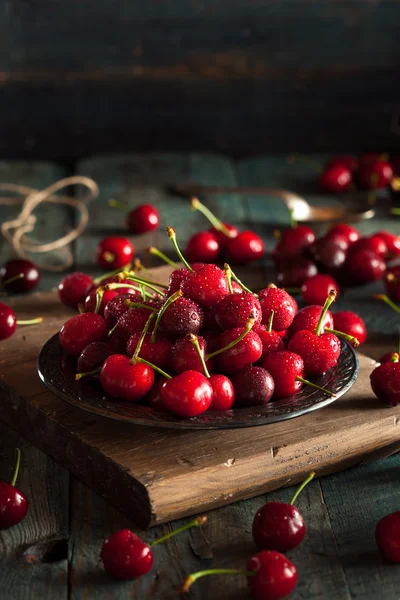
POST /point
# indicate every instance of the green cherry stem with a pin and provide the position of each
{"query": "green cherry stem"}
(17, 465)
(236, 278)
(217, 223)
(388, 301)
(172, 236)
(270, 319)
(143, 335)
(162, 310)
(395, 357)
(293, 222)
(137, 359)
(228, 275)
(31, 321)
(314, 385)
(349, 338)
(149, 284)
(198, 522)
(156, 252)
(249, 326)
(117, 204)
(330, 299)
(99, 297)
(195, 342)
(302, 486)
(11, 279)
(190, 579)
(112, 273)
(131, 304)
(395, 211)
(116, 286)
(79, 376)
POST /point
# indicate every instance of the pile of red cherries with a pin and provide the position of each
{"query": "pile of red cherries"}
(369, 172)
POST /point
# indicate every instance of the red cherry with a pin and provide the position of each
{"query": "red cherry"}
(293, 273)
(329, 255)
(392, 242)
(277, 300)
(350, 162)
(274, 575)
(389, 357)
(79, 331)
(271, 340)
(74, 288)
(387, 535)
(308, 318)
(375, 243)
(336, 178)
(13, 503)
(319, 352)
(117, 306)
(142, 219)
(343, 230)
(121, 379)
(91, 300)
(375, 174)
(202, 247)
(222, 238)
(338, 239)
(154, 398)
(293, 242)
(131, 321)
(223, 392)
(126, 556)
(8, 321)
(253, 386)
(392, 283)
(350, 323)
(385, 383)
(234, 310)
(369, 158)
(93, 356)
(184, 356)
(285, 367)
(316, 289)
(156, 352)
(19, 275)
(117, 279)
(188, 394)
(365, 266)
(181, 318)
(245, 248)
(206, 286)
(279, 525)
(114, 252)
(176, 280)
(242, 354)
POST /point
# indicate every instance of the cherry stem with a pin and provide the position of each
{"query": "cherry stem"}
(395, 357)
(79, 376)
(162, 256)
(228, 275)
(194, 340)
(395, 211)
(236, 278)
(349, 338)
(162, 310)
(147, 283)
(137, 359)
(143, 335)
(116, 286)
(172, 236)
(395, 185)
(388, 301)
(189, 581)
(270, 319)
(11, 279)
(249, 326)
(330, 299)
(31, 321)
(131, 304)
(293, 222)
(217, 223)
(16, 470)
(142, 291)
(302, 486)
(99, 298)
(314, 385)
(108, 256)
(112, 273)
(138, 266)
(198, 522)
(117, 204)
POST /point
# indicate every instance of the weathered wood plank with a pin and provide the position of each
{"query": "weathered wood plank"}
(33, 554)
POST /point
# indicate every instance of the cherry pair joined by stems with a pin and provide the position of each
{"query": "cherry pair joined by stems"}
(19, 275)
(126, 556)
(13, 503)
(9, 321)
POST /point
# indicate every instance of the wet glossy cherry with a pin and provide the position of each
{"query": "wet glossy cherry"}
(246, 247)
(336, 178)
(117, 306)
(184, 356)
(316, 289)
(114, 252)
(202, 247)
(91, 300)
(121, 379)
(285, 367)
(389, 357)
(271, 340)
(284, 307)
(375, 174)
(131, 321)
(385, 383)
(350, 323)
(93, 356)
(142, 219)
(156, 352)
(365, 266)
(74, 288)
(206, 286)
(292, 273)
(181, 317)
(293, 242)
(222, 238)
(187, 394)
(308, 318)
(387, 535)
(79, 331)
(13, 503)
(234, 310)
(126, 556)
(223, 392)
(274, 575)
(19, 275)
(319, 352)
(253, 386)
(243, 354)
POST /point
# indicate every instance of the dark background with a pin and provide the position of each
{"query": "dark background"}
(234, 76)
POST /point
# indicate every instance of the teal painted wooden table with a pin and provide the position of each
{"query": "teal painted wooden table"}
(54, 553)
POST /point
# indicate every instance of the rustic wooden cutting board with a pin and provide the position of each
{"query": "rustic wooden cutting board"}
(155, 475)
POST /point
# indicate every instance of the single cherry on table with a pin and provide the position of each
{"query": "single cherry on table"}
(9, 321)
(13, 503)
(387, 535)
(19, 275)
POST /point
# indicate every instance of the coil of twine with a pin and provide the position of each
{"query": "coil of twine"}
(15, 231)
